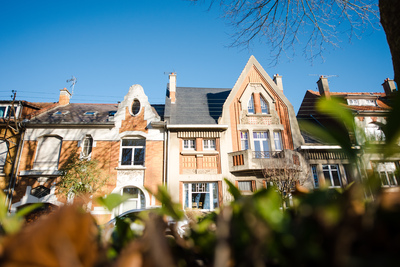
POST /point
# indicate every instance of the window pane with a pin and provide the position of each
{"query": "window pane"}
(335, 177)
(315, 175)
(133, 142)
(327, 177)
(245, 141)
(278, 141)
(250, 105)
(133, 192)
(139, 156)
(244, 185)
(135, 107)
(3, 153)
(264, 106)
(126, 156)
(87, 146)
(2, 111)
(48, 153)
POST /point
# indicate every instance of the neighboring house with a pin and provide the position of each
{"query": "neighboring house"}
(12, 116)
(329, 164)
(126, 139)
(233, 133)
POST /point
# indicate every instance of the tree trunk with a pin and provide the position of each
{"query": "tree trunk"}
(390, 20)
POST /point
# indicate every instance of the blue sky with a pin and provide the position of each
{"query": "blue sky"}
(110, 45)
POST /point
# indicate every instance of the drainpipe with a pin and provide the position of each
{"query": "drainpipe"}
(165, 154)
(13, 177)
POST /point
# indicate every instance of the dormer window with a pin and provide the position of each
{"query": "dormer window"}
(250, 105)
(135, 107)
(8, 111)
(264, 106)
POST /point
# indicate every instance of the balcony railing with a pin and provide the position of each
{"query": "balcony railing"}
(252, 160)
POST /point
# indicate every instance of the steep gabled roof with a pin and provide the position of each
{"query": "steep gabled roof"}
(197, 105)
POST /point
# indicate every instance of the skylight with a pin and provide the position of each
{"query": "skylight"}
(90, 113)
(61, 112)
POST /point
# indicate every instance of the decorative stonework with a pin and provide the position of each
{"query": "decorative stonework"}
(126, 177)
(258, 119)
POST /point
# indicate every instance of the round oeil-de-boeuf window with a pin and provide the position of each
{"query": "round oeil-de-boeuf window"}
(135, 107)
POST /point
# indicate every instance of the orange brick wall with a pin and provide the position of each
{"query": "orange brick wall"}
(133, 123)
(154, 165)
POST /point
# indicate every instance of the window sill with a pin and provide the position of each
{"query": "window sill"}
(195, 153)
(258, 115)
(130, 168)
(40, 173)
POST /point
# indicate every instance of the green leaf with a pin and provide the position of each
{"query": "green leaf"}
(233, 190)
(112, 201)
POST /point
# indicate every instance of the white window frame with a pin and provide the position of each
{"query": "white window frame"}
(189, 144)
(314, 173)
(386, 172)
(260, 139)
(133, 148)
(209, 144)
(3, 154)
(200, 189)
(330, 168)
(250, 105)
(264, 105)
(140, 200)
(87, 147)
(7, 110)
(244, 138)
(278, 140)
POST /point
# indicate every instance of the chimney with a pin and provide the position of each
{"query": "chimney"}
(172, 87)
(323, 87)
(389, 86)
(278, 81)
(65, 95)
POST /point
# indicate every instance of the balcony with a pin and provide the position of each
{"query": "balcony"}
(247, 160)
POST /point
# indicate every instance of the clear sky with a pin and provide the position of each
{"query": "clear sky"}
(110, 45)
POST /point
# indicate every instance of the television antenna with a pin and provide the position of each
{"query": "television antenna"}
(73, 82)
(323, 75)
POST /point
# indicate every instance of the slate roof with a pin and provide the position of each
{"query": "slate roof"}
(196, 105)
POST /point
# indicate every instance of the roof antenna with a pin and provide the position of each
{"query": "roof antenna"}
(73, 82)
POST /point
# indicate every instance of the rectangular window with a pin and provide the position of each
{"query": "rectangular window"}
(386, 172)
(245, 186)
(244, 137)
(261, 145)
(201, 196)
(278, 141)
(133, 152)
(315, 175)
(209, 144)
(8, 111)
(3, 154)
(48, 153)
(189, 144)
(331, 175)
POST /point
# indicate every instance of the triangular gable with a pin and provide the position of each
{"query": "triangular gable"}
(254, 73)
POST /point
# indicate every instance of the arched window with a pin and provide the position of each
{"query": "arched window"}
(264, 106)
(136, 199)
(250, 105)
(87, 146)
(135, 107)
